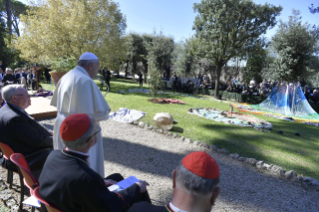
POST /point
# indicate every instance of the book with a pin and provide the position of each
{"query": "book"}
(123, 184)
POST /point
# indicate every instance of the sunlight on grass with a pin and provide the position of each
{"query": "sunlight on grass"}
(287, 150)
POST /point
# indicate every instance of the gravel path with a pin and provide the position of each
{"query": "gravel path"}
(151, 156)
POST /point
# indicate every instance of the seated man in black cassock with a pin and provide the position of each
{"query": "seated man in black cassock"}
(195, 188)
(68, 183)
(21, 132)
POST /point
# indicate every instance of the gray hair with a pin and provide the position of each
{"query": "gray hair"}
(8, 69)
(194, 184)
(85, 63)
(80, 142)
(9, 91)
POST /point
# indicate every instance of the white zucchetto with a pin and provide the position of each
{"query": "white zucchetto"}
(88, 56)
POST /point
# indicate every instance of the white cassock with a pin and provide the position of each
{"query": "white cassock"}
(76, 92)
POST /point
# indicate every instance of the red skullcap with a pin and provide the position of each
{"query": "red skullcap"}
(201, 164)
(74, 126)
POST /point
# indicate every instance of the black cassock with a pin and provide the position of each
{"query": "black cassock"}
(147, 207)
(68, 183)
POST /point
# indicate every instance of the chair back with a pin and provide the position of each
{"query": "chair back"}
(19, 160)
(6, 150)
(49, 207)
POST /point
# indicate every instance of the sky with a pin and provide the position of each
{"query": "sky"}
(175, 17)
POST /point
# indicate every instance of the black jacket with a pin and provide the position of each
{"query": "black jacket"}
(68, 183)
(23, 134)
(9, 77)
(18, 76)
(148, 207)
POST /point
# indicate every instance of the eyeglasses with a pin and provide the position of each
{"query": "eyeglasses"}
(27, 95)
(99, 130)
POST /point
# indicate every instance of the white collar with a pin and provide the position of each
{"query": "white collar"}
(175, 209)
(77, 152)
(82, 70)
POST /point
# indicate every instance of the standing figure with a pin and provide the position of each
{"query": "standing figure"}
(107, 77)
(76, 92)
(140, 79)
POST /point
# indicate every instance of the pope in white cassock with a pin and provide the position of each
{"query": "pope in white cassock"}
(76, 92)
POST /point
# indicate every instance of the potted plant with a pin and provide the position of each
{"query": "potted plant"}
(60, 67)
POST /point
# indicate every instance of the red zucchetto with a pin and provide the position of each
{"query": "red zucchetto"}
(201, 164)
(74, 126)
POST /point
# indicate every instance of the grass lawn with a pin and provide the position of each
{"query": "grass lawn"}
(289, 151)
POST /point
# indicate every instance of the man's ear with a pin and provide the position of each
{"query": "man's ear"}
(174, 178)
(215, 194)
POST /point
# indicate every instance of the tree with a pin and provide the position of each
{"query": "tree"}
(16, 9)
(226, 28)
(159, 50)
(66, 29)
(255, 62)
(187, 60)
(296, 44)
(313, 9)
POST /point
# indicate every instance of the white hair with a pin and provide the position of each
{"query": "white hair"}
(8, 69)
(84, 63)
(9, 91)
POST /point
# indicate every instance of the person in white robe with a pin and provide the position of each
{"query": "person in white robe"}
(76, 92)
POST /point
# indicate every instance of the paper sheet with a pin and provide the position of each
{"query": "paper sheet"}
(32, 201)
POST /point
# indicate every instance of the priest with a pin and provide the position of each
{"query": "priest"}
(76, 92)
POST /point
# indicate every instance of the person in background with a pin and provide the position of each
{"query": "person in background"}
(9, 78)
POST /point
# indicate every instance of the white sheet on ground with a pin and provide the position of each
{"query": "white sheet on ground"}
(126, 115)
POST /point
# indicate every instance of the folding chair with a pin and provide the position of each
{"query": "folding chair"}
(49, 207)
(7, 152)
(19, 160)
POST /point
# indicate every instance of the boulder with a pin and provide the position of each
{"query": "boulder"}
(234, 156)
(164, 121)
(311, 181)
(251, 161)
(260, 165)
(291, 175)
(141, 124)
(277, 171)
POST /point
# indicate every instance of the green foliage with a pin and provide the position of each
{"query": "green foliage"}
(295, 43)
(255, 63)
(17, 9)
(155, 80)
(186, 60)
(63, 64)
(227, 28)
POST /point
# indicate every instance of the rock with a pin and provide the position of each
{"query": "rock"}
(202, 144)
(135, 122)
(290, 174)
(241, 158)
(223, 150)
(146, 126)
(277, 171)
(260, 165)
(299, 178)
(234, 156)
(169, 134)
(160, 131)
(10, 202)
(267, 166)
(251, 161)
(183, 138)
(175, 135)
(164, 121)
(213, 147)
(188, 140)
(297, 134)
(280, 132)
(197, 143)
(311, 181)
(141, 124)
(150, 127)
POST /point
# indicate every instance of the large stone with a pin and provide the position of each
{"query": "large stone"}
(291, 175)
(188, 140)
(197, 143)
(311, 181)
(277, 171)
(260, 165)
(223, 150)
(251, 161)
(213, 147)
(141, 124)
(234, 156)
(164, 121)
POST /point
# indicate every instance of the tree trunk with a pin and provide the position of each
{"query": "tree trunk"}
(127, 65)
(145, 72)
(9, 18)
(218, 71)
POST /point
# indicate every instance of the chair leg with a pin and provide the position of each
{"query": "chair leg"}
(10, 178)
(33, 209)
(21, 190)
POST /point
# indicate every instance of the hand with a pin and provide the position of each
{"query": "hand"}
(142, 185)
(110, 182)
